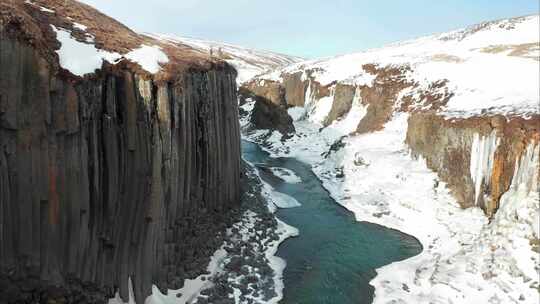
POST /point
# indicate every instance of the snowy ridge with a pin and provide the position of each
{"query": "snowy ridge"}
(490, 67)
(248, 62)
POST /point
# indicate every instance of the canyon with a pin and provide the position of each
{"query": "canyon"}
(420, 136)
(159, 169)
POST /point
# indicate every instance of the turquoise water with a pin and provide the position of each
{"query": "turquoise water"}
(334, 257)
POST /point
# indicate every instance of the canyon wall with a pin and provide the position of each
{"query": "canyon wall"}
(266, 114)
(475, 156)
(112, 176)
(478, 157)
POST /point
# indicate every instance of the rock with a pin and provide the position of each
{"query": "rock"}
(266, 115)
(343, 98)
(117, 174)
(295, 89)
(359, 160)
(447, 144)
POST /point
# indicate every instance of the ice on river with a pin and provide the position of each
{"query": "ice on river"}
(286, 175)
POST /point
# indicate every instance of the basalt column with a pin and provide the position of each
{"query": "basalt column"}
(110, 177)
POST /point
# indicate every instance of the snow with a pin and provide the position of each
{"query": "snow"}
(282, 200)
(148, 57)
(482, 73)
(193, 287)
(296, 113)
(321, 108)
(82, 58)
(278, 264)
(466, 259)
(350, 122)
(79, 26)
(41, 8)
(189, 291)
(44, 9)
(274, 198)
(482, 157)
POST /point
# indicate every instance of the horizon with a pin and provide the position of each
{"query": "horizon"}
(357, 27)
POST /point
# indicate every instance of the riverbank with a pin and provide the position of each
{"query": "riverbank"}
(249, 271)
(244, 269)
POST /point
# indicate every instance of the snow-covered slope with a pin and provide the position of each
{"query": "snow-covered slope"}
(248, 62)
(491, 66)
(438, 137)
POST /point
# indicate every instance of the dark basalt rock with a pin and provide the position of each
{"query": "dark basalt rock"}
(267, 115)
(110, 177)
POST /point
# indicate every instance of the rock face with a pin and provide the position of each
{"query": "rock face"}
(477, 157)
(343, 99)
(272, 91)
(266, 114)
(295, 89)
(120, 174)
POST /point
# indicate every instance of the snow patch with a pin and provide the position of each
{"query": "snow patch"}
(322, 108)
(44, 9)
(79, 26)
(526, 169)
(188, 292)
(350, 122)
(296, 113)
(278, 264)
(82, 58)
(148, 57)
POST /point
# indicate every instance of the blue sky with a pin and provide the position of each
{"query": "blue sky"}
(308, 28)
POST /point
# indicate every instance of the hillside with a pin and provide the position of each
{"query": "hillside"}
(248, 62)
(437, 137)
(470, 61)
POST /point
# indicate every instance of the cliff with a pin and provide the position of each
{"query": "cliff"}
(124, 169)
(479, 157)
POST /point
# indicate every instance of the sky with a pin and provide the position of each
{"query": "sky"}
(308, 28)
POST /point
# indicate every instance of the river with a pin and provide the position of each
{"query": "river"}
(334, 257)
